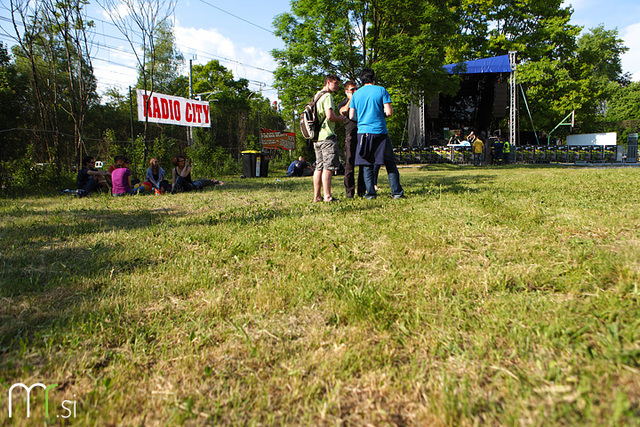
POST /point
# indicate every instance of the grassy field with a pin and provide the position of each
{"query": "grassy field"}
(491, 296)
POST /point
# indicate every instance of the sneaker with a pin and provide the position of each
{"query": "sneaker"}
(399, 196)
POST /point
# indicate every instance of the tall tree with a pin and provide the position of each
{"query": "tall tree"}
(27, 20)
(141, 23)
(53, 49)
(536, 29)
(235, 109)
(622, 110)
(403, 40)
(12, 107)
(581, 80)
(66, 21)
(163, 67)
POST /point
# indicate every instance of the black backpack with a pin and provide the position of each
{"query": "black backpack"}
(309, 123)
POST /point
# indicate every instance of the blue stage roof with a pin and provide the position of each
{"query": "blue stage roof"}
(497, 64)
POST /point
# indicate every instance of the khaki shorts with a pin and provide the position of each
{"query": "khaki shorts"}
(327, 155)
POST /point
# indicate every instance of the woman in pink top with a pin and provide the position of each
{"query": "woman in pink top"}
(121, 179)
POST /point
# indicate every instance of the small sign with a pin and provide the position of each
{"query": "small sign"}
(273, 140)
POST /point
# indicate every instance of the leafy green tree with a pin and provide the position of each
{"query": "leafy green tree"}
(53, 52)
(236, 112)
(12, 107)
(622, 110)
(164, 65)
(536, 29)
(403, 40)
(582, 81)
(70, 33)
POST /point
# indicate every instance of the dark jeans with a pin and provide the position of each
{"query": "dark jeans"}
(371, 177)
(91, 185)
(350, 144)
(131, 192)
(182, 185)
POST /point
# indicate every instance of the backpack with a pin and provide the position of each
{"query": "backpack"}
(309, 123)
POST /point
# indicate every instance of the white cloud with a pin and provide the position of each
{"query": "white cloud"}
(631, 59)
(243, 61)
(204, 41)
(120, 12)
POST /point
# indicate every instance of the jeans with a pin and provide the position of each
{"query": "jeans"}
(131, 192)
(91, 185)
(478, 159)
(371, 178)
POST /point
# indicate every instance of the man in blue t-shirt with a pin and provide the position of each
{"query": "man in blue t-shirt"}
(370, 105)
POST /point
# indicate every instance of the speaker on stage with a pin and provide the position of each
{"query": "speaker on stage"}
(500, 99)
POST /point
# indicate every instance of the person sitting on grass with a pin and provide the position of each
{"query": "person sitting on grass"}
(156, 176)
(300, 167)
(117, 163)
(121, 178)
(181, 177)
(90, 179)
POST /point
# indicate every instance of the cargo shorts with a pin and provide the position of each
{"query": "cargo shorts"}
(327, 155)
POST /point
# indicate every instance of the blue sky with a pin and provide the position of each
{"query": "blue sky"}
(239, 34)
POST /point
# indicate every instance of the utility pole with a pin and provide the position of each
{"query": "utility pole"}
(190, 129)
(133, 140)
(512, 99)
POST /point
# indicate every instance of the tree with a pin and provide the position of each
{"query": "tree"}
(582, 80)
(66, 20)
(536, 29)
(235, 109)
(12, 107)
(163, 67)
(142, 22)
(404, 41)
(622, 110)
(53, 51)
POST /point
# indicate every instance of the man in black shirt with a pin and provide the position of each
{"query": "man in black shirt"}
(350, 142)
(90, 179)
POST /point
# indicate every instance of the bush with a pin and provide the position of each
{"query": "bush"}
(19, 177)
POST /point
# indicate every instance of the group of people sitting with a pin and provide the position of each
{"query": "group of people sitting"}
(118, 178)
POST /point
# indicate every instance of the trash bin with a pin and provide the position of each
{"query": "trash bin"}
(254, 164)
(264, 166)
(249, 160)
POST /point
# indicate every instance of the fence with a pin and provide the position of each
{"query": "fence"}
(523, 154)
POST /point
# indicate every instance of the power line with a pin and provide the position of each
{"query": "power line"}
(237, 17)
(108, 48)
(205, 54)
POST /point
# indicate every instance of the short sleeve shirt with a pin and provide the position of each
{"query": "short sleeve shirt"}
(478, 146)
(327, 128)
(120, 181)
(368, 103)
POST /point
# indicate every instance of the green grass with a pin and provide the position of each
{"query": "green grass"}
(500, 296)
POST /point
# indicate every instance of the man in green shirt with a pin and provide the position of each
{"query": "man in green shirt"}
(326, 148)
